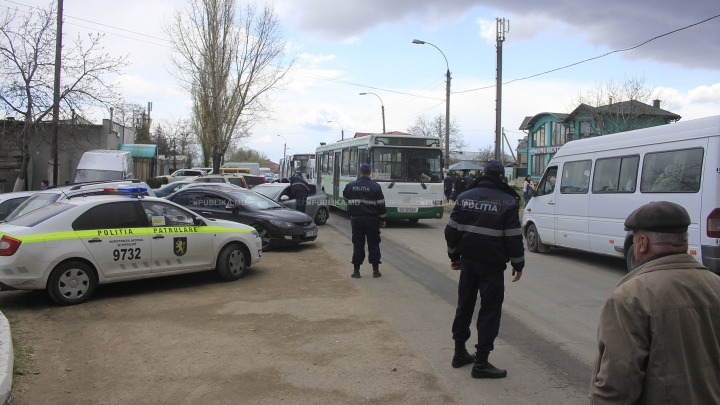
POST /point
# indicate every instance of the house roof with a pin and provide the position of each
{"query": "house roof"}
(634, 106)
(529, 123)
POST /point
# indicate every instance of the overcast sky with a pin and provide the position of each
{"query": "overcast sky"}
(368, 43)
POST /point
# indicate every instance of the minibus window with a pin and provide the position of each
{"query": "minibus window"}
(672, 172)
(616, 175)
(547, 184)
(576, 177)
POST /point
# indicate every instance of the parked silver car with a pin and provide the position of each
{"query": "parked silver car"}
(317, 203)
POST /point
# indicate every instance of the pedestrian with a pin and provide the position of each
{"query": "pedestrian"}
(366, 206)
(460, 184)
(659, 332)
(448, 186)
(483, 235)
(300, 190)
(44, 184)
(527, 189)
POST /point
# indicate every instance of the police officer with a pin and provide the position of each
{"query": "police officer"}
(366, 205)
(482, 235)
(300, 190)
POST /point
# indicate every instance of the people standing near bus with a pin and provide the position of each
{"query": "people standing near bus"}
(366, 206)
(482, 235)
(659, 332)
(448, 186)
(460, 184)
(527, 189)
(300, 190)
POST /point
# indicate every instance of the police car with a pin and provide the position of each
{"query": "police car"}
(69, 247)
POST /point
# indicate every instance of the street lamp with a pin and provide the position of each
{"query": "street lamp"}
(382, 105)
(447, 102)
(342, 130)
(284, 158)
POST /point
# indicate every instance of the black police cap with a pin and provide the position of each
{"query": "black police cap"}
(494, 168)
(659, 216)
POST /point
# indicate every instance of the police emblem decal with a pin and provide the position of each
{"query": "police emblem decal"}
(179, 246)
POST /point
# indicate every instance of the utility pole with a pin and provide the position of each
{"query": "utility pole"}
(503, 27)
(56, 92)
(509, 147)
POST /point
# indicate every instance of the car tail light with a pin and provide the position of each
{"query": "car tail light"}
(8, 246)
(713, 224)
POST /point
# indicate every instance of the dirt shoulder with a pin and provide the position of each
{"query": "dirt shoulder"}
(295, 330)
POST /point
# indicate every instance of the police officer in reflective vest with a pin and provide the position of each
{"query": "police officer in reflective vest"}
(366, 205)
(300, 190)
(482, 235)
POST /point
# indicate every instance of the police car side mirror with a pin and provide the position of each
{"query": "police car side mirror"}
(199, 222)
(284, 198)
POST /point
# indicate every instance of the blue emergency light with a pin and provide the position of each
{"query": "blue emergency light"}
(131, 190)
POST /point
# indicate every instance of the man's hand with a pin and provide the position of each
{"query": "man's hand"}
(455, 265)
(516, 274)
(382, 224)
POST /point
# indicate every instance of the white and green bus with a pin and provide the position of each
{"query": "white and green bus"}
(408, 168)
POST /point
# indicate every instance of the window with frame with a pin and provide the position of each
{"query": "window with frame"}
(585, 130)
(109, 216)
(560, 133)
(330, 164)
(547, 184)
(345, 171)
(540, 137)
(576, 177)
(353, 161)
(162, 214)
(677, 171)
(616, 175)
(539, 164)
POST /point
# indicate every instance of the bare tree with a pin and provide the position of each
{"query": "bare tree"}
(228, 59)
(435, 126)
(177, 137)
(27, 60)
(487, 153)
(618, 106)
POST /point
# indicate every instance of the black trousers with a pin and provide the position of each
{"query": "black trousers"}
(489, 281)
(300, 202)
(365, 227)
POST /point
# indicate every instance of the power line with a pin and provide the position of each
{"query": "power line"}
(596, 57)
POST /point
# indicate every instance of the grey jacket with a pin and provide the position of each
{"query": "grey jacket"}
(659, 336)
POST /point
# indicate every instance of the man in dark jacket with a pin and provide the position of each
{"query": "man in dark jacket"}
(300, 190)
(482, 235)
(366, 206)
(448, 185)
(461, 183)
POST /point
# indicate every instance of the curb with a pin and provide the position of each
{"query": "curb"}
(6, 359)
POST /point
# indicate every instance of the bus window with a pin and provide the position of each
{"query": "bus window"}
(353, 161)
(576, 177)
(616, 175)
(672, 172)
(345, 170)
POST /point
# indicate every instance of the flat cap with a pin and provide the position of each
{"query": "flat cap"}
(494, 168)
(659, 216)
(365, 167)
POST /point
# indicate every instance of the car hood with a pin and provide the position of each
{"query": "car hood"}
(228, 224)
(287, 215)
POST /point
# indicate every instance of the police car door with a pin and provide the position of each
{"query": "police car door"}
(177, 243)
(543, 206)
(115, 235)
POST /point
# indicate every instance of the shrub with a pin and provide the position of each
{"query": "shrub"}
(156, 182)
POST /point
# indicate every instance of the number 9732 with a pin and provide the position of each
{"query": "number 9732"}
(126, 254)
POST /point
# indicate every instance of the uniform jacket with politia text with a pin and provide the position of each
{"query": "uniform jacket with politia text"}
(365, 197)
(659, 336)
(485, 225)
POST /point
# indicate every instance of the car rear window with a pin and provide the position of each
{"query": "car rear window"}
(32, 203)
(41, 214)
(254, 180)
(236, 181)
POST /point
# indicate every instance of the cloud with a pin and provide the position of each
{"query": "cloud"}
(488, 30)
(705, 94)
(314, 60)
(614, 24)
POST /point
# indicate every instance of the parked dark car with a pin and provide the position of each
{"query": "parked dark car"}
(277, 225)
(168, 189)
(316, 206)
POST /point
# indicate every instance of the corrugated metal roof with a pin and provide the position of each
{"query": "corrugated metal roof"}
(140, 151)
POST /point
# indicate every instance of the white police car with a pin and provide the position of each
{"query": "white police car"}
(71, 246)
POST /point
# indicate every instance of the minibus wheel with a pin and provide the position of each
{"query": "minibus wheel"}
(533, 239)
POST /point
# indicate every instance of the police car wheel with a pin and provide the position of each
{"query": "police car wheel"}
(264, 237)
(232, 262)
(322, 216)
(533, 239)
(71, 283)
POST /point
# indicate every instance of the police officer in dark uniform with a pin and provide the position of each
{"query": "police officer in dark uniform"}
(482, 235)
(366, 205)
(300, 190)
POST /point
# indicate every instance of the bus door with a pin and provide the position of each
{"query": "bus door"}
(543, 206)
(337, 193)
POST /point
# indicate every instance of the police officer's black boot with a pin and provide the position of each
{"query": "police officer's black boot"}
(483, 369)
(356, 272)
(376, 272)
(462, 357)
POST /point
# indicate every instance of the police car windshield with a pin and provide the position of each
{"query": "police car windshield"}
(41, 214)
(31, 204)
(254, 201)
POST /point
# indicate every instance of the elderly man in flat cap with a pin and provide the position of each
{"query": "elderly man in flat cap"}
(659, 332)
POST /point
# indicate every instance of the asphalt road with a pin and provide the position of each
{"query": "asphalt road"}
(548, 333)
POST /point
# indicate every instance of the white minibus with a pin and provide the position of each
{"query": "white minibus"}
(590, 187)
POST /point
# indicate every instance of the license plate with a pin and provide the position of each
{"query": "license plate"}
(309, 234)
(408, 209)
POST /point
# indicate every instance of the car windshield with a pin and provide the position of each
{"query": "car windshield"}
(85, 175)
(254, 201)
(41, 214)
(31, 204)
(269, 191)
(404, 164)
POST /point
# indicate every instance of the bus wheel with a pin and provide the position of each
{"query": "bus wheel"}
(630, 261)
(414, 220)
